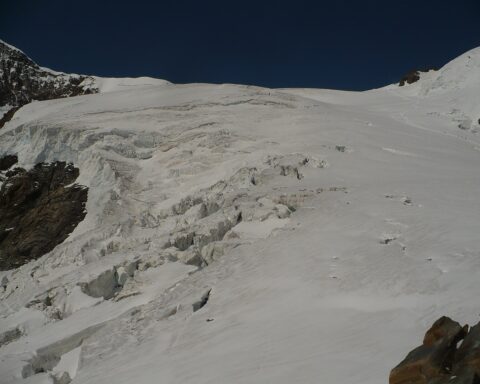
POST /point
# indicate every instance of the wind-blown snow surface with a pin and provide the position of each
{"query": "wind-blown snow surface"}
(383, 239)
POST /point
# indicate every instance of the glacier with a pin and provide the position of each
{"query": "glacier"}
(239, 234)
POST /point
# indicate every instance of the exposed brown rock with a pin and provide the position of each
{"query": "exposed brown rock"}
(413, 76)
(468, 355)
(444, 328)
(410, 78)
(438, 361)
(39, 208)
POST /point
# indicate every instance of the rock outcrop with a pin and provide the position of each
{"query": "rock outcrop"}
(439, 360)
(413, 76)
(39, 208)
(6, 162)
(22, 80)
(7, 116)
(410, 78)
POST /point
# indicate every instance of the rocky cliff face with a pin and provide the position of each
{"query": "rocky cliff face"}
(22, 80)
(439, 360)
(39, 208)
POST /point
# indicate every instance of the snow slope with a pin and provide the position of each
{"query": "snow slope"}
(332, 228)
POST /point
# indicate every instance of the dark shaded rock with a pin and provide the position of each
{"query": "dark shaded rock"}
(468, 355)
(413, 76)
(433, 359)
(438, 360)
(444, 329)
(410, 78)
(8, 116)
(22, 80)
(39, 208)
(7, 162)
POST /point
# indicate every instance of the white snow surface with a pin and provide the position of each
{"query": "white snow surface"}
(337, 226)
(112, 84)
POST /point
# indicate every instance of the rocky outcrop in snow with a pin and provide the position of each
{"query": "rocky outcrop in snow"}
(7, 162)
(413, 76)
(39, 208)
(22, 80)
(438, 360)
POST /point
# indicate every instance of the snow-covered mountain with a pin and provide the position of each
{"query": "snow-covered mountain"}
(237, 234)
(22, 80)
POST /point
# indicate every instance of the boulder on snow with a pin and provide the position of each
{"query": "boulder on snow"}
(438, 360)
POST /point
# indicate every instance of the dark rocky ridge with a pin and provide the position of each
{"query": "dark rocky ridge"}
(413, 76)
(439, 360)
(39, 208)
(22, 80)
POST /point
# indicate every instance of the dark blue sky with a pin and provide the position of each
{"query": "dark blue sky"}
(327, 44)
